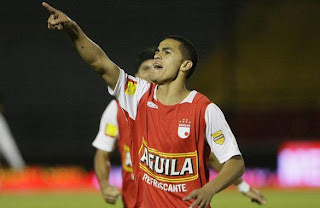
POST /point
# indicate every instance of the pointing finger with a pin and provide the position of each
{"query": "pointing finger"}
(48, 7)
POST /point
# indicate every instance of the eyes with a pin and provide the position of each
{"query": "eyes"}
(165, 52)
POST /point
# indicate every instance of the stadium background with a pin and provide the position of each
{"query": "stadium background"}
(258, 62)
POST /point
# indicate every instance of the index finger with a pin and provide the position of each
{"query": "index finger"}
(48, 7)
(190, 196)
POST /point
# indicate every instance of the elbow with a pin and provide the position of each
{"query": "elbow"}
(241, 167)
(98, 67)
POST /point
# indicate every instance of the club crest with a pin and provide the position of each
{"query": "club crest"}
(218, 137)
(184, 128)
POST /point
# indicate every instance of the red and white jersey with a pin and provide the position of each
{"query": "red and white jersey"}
(113, 127)
(170, 145)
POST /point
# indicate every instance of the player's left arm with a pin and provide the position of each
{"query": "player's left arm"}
(224, 146)
(232, 169)
(254, 194)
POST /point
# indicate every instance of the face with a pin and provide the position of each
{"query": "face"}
(167, 62)
(145, 69)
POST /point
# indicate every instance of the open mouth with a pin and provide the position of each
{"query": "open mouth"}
(157, 66)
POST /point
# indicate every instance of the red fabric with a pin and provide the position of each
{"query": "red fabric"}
(128, 184)
(156, 130)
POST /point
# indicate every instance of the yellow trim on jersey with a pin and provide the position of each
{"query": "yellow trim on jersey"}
(185, 154)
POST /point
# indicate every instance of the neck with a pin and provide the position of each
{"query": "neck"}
(172, 93)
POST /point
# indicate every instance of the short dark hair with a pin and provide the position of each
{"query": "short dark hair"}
(146, 54)
(188, 51)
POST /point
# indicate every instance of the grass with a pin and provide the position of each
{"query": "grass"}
(226, 199)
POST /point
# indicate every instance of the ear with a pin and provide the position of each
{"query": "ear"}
(186, 65)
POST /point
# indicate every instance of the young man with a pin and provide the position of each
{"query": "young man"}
(172, 130)
(114, 126)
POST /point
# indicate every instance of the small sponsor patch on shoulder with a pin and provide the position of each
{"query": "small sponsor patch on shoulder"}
(111, 130)
(131, 87)
(218, 137)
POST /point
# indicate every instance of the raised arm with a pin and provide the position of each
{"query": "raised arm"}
(90, 52)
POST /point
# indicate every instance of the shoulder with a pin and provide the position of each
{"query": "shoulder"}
(201, 100)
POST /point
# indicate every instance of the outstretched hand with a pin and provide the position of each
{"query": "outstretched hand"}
(57, 19)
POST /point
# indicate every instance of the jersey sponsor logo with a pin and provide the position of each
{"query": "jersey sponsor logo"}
(184, 128)
(127, 162)
(180, 187)
(111, 130)
(130, 87)
(151, 104)
(218, 137)
(168, 167)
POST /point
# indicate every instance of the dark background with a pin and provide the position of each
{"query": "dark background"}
(258, 62)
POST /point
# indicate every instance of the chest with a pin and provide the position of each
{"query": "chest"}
(171, 129)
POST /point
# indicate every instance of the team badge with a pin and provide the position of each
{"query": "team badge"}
(184, 128)
(218, 137)
(131, 87)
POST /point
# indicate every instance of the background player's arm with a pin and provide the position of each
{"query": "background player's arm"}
(8, 146)
(254, 194)
(90, 52)
(102, 168)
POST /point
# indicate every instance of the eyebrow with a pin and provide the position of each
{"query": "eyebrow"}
(165, 48)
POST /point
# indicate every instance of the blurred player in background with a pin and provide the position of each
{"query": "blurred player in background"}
(114, 126)
(8, 147)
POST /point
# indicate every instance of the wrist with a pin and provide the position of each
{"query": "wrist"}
(243, 187)
(69, 25)
(210, 188)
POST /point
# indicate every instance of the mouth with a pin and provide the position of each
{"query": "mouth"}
(157, 66)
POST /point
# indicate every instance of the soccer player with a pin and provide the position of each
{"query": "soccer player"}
(114, 126)
(172, 130)
(8, 146)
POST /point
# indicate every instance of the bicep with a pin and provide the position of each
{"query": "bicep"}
(214, 163)
(108, 70)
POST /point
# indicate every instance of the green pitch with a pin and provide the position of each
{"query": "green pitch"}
(226, 199)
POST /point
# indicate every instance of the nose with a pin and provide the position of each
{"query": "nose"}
(157, 56)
